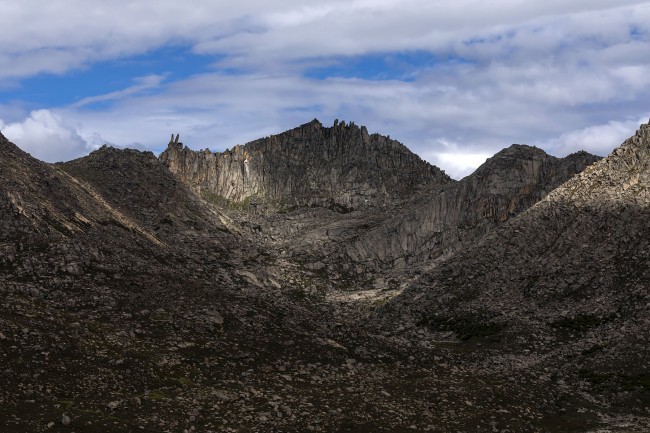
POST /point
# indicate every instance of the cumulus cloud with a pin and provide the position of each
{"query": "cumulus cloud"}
(596, 139)
(46, 136)
(460, 164)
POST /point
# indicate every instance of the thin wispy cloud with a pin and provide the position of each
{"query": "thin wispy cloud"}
(142, 84)
(560, 75)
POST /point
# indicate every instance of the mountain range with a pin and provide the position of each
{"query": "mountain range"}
(325, 279)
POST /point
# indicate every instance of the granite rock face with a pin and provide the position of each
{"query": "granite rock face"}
(341, 166)
(351, 202)
(461, 212)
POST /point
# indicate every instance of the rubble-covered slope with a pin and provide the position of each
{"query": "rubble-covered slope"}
(53, 224)
(130, 303)
(117, 284)
(564, 287)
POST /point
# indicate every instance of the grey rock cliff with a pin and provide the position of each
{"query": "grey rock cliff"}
(461, 212)
(310, 165)
(349, 174)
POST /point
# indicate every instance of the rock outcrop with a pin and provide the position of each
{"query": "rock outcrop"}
(342, 166)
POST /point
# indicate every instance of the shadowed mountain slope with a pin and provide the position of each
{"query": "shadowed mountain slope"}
(592, 231)
(108, 264)
(566, 284)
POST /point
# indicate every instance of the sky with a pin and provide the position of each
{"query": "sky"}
(455, 81)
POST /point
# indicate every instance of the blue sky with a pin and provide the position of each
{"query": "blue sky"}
(103, 77)
(455, 81)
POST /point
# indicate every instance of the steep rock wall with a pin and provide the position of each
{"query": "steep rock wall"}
(310, 165)
(505, 185)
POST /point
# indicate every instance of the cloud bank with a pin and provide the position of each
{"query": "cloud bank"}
(560, 75)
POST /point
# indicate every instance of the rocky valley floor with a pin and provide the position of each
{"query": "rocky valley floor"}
(182, 368)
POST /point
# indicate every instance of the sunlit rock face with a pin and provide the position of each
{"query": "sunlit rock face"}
(405, 210)
(310, 165)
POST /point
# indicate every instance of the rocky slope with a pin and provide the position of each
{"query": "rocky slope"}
(110, 270)
(58, 228)
(42, 211)
(134, 298)
(564, 287)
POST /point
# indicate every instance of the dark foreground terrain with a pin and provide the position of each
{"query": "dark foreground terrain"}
(325, 279)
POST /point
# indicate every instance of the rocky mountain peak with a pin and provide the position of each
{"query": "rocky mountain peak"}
(125, 176)
(517, 148)
(634, 151)
(533, 161)
(311, 165)
(107, 153)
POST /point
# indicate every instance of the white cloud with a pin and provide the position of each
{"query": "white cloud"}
(596, 139)
(458, 165)
(46, 136)
(519, 71)
(142, 84)
(57, 36)
(360, 27)
(457, 160)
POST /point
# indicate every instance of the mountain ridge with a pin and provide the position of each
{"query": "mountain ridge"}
(563, 280)
(339, 158)
(406, 232)
(462, 211)
(516, 299)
